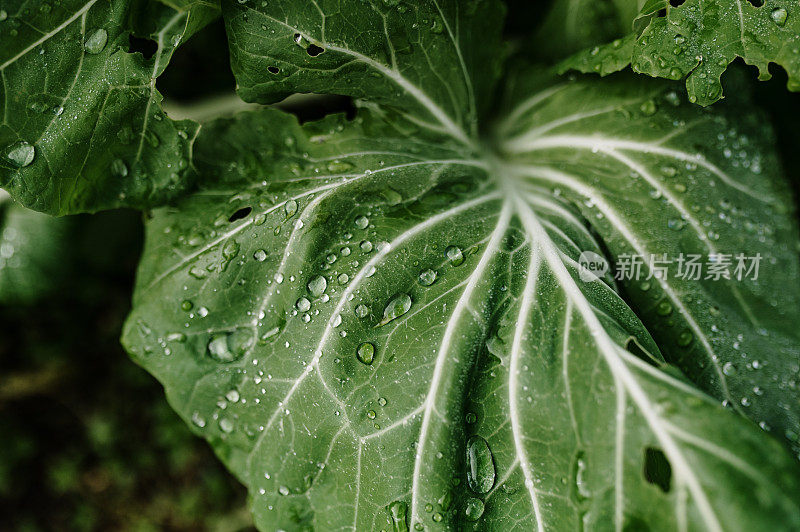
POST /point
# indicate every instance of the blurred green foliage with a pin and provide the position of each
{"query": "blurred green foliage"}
(87, 440)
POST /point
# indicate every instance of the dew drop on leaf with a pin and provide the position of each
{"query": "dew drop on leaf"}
(226, 425)
(198, 420)
(480, 465)
(648, 108)
(339, 167)
(290, 208)
(366, 353)
(473, 509)
(427, 277)
(260, 255)
(362, 311)
(229, 347)
(317, 285)
(119, 168)
(685, 338)
(232, 396)
(362, 222)
(397, 511)
(779, 16)
(398, 306)
(454, 255)
(230, 249)
(96, 41)
(303, 304)
(21, 154)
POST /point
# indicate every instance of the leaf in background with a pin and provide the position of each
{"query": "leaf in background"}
(33, 249)
(698, 39)
(379, 330)
(423, 58)
(82, 126)
(572, 25)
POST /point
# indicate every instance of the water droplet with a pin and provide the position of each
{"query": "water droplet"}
(779, 16)
(260, 255)
(454, 255)
(664, 308)
(96, 41)
(338, 167)
(366, 246)
(230, 249)
(480, 465)
(283, 490)
(232, 396)
(229, 347)
(685, 338)
(362, 222)
(398, 306)
(226, 425)
(119, 168)
(371, 414)
(21, 154)
(3, 15)
(362, 311)
(303, 304)
(427, 277)
(290, 208)
(728, 368)
(197, 272)
(366, 353)
(473, 509)
(471, 417)
(198, 420)
(397, 511)
(382, 401)
(648, 108)
(176, 337)
(317, 285)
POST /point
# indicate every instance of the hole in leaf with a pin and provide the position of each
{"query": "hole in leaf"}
(661, 13)
(241, 213)
(313, 50)
(657, 469)
(316, 107)
(274, 70)
(146, 47)
(756, 3)
(676, 3)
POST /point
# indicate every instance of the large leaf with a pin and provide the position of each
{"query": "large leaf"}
(377, 328)
(420, 57)
(82, 126)
(698, 39)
